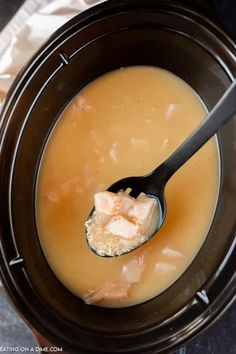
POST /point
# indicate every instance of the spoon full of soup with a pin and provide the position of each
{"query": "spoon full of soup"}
(133, 209)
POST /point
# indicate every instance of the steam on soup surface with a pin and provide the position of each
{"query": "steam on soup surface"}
(124, 123)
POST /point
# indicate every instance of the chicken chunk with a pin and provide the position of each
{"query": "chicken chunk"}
(113, 204)
(142, 207)
(163, 267)
(106, 202)
(125, 203)
(120, 226)
(102, 218)
(170, 252)
(132, 271)
(120, 223)
(109, 291)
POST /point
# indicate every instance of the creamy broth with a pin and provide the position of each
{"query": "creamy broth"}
(125, 123)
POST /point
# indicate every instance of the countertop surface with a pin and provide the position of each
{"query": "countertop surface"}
(220, 338)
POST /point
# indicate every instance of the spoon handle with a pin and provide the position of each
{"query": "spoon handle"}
(221, 113)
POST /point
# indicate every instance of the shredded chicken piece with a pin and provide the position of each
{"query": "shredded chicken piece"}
(163, 267)
(133, 270)
(131, 274)
(109, 291)
(170, 252)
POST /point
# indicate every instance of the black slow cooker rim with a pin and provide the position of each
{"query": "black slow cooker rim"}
(88, 15)
(12, 98)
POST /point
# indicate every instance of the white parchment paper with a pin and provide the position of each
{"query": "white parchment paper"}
(35, 21)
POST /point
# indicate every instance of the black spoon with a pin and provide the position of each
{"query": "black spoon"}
(154, 183)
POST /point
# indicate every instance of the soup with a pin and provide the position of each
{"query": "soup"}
(124, 123)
